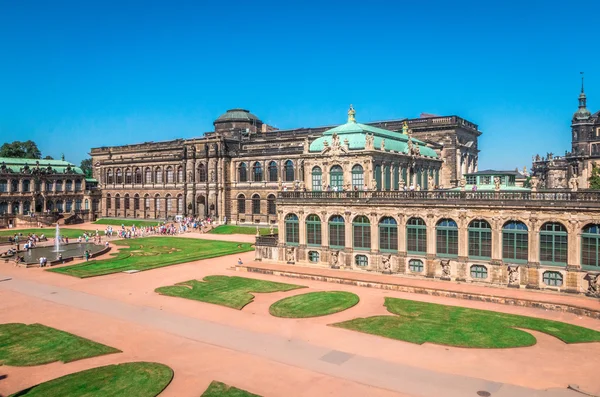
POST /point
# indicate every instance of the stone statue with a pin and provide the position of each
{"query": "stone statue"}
(430, 184)
(369, 142)
(351, 114)
(335, 141)
(462, 182)
(497, 183)
(383, 145)
(513, 275)
(445, 264)
(265, 253)
(279, 184)
(593, 284)
(212, 176)
(574, 182)
(405, 128)
(190, 176)
(334, 260)
(386, 262)
(271, 230)
(290, 256)
(524, 170)
(257, 231)
(373, 184)
(401, 184)
(306, 146)
(324, 187)
(534, 182)
(537, 157)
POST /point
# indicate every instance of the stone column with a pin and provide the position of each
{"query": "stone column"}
(574, 245)
(496, 241)
(302, 228)
(533, 264)
(348, 231)
(374, 232)
(324, 229)
(431, 254)
(463, 237)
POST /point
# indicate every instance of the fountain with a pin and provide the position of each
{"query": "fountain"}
(57, 239)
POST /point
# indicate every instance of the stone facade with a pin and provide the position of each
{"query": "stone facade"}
(235, 171)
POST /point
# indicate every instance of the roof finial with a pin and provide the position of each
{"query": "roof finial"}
(351, 113)
(581, 73)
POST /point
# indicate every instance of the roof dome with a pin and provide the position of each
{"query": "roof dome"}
(582, 114)
(237, 115)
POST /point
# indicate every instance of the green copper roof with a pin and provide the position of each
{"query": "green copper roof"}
(356, 134)
(58, 166)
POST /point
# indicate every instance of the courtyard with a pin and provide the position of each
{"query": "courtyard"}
(199, 328)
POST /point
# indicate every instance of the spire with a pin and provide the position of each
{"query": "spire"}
(582, 113)
(351, 114)
(582, 76)
(582, 97)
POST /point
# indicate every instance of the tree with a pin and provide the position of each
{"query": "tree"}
(595, 177)
(48, 158)
(18, 149)
(86, 167)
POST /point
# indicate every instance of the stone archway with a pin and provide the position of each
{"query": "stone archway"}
(201, 205)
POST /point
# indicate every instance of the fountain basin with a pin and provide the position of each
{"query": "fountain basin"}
(68, 252)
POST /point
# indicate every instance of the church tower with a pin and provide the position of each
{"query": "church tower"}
(582, 125)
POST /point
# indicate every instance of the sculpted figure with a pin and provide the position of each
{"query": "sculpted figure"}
(497, 183)
(445, 264)
(335, 258)
(513, 275)
(386, 262)
(593, 284)
(289, 255)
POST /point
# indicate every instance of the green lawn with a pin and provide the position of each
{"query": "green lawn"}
(234, 292)
(232, 229)
(314, 304)
(420, 322)
(127, 222)
(49, 232)
(35, 344)
(138, 379)
(218, 389)
(152, 252)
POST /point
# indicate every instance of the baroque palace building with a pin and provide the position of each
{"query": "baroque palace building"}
(46, 188)
(234, 172)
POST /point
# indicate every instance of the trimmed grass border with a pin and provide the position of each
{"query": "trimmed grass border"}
(233, 229)
(153, 252)
(314, 304)
(136, 379)
(48, 232)
(421, 322)
(35, 344)
(218, 389)
(128, 222)
(234, 292)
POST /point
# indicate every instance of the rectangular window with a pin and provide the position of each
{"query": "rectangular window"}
(317, 183)
(337, 236)
(485, 180)
(416, 240)
(313, 233)
(471, 180)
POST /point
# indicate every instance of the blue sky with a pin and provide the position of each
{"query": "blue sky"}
(82, 74)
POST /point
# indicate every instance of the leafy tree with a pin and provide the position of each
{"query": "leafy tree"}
(18, 149)
(595, 177)
(86, 167)
(48, 158)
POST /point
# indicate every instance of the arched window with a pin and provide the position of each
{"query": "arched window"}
(157, 203)
(180, 204)
(271, 206)
(257, 172)
(479, 271)
(128, 176)
(242, 173)
(109, 176)
(313, 230)
(273, 172)
(288, 169)
(552, 279)
(256, 204)
(146, 202)
(136, 201)
(158, 176)
(590, 246)
(480, 239)
(388, 234)
(138, 175)
(241, 204)
(78, 205)
(361, 260)
(148, 175)
(553, 244)
(119, 175)
(78, 185)
(292, 229)
(515, 242)
(180, 178)
(358, 177)
(117, 202)
(108, 202)
(59, 186)
(337, 232)
(447, 238)
(86, 204)
(361, 230)
(68, 186)
(169, 203)
(169, 174)
(416, 236)
(317, 179)
(336, 177)
(201, 173)
(126, 201)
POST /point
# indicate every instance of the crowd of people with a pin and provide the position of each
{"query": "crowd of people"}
(168, 228)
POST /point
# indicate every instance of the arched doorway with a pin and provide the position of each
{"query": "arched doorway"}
(201, 205)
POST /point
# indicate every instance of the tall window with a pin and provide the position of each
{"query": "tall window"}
(148, 175)
(292, 229)
(337, 232)
(243, 173)
(169, 174)
(257, 172)
(138, 175)
(169, 203)
(78, 205)
(128, 176)
(288, 169)
(447, 238)
(515, 242)
(553, 244)
(361, 230)
(256, 204)
(108, 202)
(136, 202)
(416, 236)
(480, 239)
(271, 206)
(388, 234)
(117, 202)
(119, 176)
(49, 186)
(377, 176)
(317, 179)
(590, 246)
(387, 177)
(180, 204)
(146, 202)
(336, 177)
(59, 186)
(273, 172)
(3, 185)
(158, 176)
(241, 204)
(78, 185)
(313, 230)
(126, 202)
(180, 174)
(201, 173)
(157, 203)
(68, 206)
(358, 177)
(68, 185)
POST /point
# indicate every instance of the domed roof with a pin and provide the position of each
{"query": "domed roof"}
(582, 114)
(237, 115)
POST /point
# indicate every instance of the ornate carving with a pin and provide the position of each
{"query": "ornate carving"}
(593, 284)
(290, 254)
(497, 183)
(445, 264)
(369, 142)
(382, 145)
(386, 263)
(513, 275)
(351, 114)
(334, 259)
